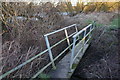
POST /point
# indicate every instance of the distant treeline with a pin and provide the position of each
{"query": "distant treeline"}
(28, 9)
(90, 7)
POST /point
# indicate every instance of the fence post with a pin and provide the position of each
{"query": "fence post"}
(49, 51)
(72, 53)
(68, 41)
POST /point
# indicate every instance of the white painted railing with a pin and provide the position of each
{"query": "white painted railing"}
(47, 50)
(67, 38)
(85, 32)
(74, 35)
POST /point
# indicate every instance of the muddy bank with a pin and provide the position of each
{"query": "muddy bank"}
(101, 60)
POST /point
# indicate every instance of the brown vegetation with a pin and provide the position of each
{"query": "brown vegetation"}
(101, 61)
(23, 37)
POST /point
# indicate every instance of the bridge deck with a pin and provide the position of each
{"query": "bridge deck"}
(63, 70)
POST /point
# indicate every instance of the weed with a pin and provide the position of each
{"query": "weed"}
(115, 24)
(98, 24)
(89, 21)
(74, 66)
(44, 76)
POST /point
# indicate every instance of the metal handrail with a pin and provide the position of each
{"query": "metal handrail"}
(60, 30)
(62, 40)
(21, 65)
(67, 38)
(73, 35)
(52, 60)
(91, 26)
(82, 30)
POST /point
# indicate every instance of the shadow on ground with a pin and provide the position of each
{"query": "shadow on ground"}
(101, 60)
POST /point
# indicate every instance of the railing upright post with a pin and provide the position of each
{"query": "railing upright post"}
(84, 40)
(72, 53)
(76, 28)
(68, 41)
(50, 52)
(90, 31)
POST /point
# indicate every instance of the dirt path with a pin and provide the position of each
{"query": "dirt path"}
(101, 60)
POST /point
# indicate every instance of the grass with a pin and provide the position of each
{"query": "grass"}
(74, 66)
(91, 21)
(44, 76)
(98, 25)
(115, 23)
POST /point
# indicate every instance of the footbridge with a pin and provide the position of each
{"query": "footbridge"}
(65, 67)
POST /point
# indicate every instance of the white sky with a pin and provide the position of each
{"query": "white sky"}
(74, 2)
